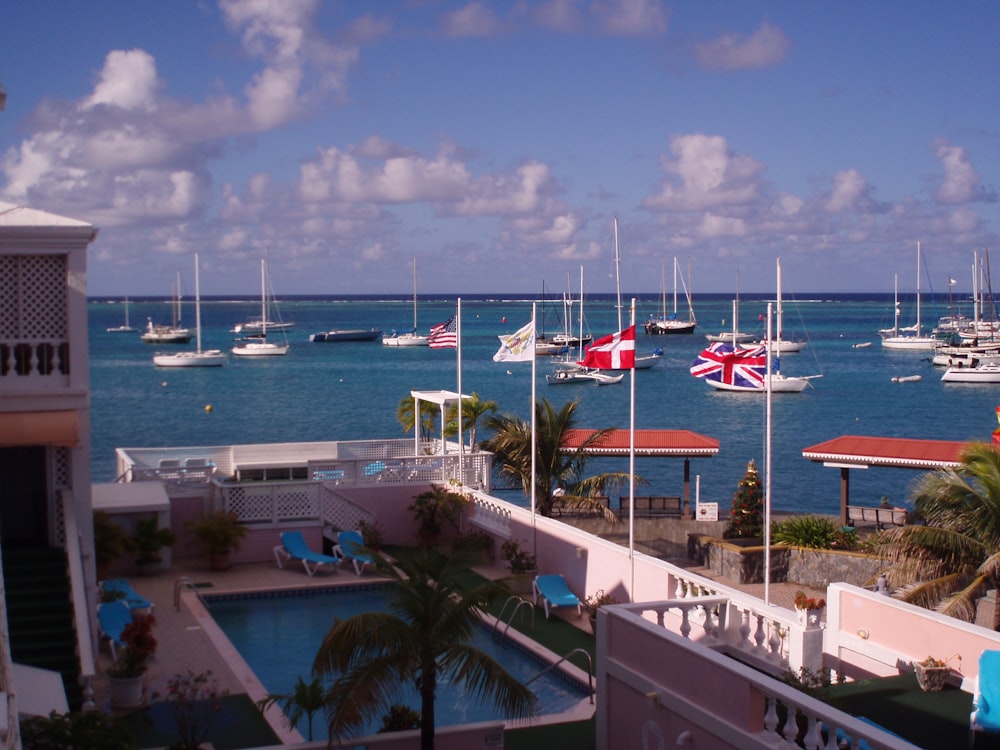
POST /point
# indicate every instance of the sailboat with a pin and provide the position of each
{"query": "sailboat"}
(200, 357)
(745, 370)
(127, 327)
(258, 345)
(573, 371)
(779, 345)
(642, 361)
(172, 334)
(543, 345)
(735, 336)
(409, 338)
(900, 338)
(670, 323)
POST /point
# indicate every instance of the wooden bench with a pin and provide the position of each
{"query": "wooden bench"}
(651, 506)
(880, 517)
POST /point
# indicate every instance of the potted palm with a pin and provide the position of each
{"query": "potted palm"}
(127, 674)
(147, 541)
(522, 566)
(219, 534)
(434, 508)
(594, 602)
(110, 542)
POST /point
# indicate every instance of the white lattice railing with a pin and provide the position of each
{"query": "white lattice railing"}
(272, 502)
(488, 515)
(341, 513)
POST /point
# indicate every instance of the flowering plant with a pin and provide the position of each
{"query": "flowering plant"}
(195, 700)
(598, 599)
(517, 559)
(931, 661)
(138, 646)
(807, 602)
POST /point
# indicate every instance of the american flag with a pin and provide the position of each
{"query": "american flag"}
(721, 363)
(444, 335)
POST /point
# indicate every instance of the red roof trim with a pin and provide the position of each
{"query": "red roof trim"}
(877, 451)
(647, 443)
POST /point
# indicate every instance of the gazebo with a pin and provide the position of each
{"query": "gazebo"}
(667, 443)
(860, 452)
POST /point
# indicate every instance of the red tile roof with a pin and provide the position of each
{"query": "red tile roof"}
(878, 451)
(647, 443)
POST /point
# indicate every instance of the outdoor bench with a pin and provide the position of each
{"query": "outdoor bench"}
(880, 517)
(652, 505)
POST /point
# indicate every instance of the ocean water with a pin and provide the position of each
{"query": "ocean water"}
(350, 390)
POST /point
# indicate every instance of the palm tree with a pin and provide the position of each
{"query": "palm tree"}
(424, 639)
(306, 699)
(428, 415)
(511, 444)
(473, 410)
(954, 556)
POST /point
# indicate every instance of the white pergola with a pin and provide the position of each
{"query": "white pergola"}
(442, 399)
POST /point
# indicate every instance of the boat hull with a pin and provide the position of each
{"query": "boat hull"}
(913, 343)
(981, 374)
(210, 358)
(406, 339)
(779, 384)
(179, 336)
(730, 338)
(357, 334)
(669, 327)
(260, 349)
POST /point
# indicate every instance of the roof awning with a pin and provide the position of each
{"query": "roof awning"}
(56, 428)
(860, 451)
(678, 443)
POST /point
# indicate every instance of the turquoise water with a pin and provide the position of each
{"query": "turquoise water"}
(350, 391)
(278, 636)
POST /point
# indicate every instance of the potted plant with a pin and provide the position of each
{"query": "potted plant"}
(478, 544)
(809, 610)
(932, 673)
(147, 541)
(434, 508)
(593, 602)
(126, 675)
(522, 565)
(371, 534)
(110, 542)
(219, 534)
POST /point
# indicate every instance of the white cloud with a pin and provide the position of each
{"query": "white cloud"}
(705, 174)
(767, 46)
(559, 15)
(128, 81)
(631, 17)
(474, 19)
(848, 188)
(960, 179)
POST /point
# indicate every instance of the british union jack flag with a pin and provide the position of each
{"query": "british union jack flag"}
(720, 362)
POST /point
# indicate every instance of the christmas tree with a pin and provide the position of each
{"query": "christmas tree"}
(746, 518)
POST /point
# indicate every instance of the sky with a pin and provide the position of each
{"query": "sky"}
(494, 144)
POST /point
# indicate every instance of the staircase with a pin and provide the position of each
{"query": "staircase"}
(40, 614)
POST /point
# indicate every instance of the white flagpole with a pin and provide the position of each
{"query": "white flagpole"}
(767, 470)
(461, 410)
(631, 474)
(534, 425)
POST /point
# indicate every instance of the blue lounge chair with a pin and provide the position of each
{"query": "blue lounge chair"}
(351, 546)
(112, 617)
(293, 547)
(123, 589)
(985, 715)
(555, 593)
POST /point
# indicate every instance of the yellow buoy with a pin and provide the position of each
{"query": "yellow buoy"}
(208, 407)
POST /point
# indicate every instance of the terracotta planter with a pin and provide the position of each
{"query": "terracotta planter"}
(220, 560)
(126, 692)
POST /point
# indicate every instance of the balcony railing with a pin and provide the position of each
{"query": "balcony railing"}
(41, 360)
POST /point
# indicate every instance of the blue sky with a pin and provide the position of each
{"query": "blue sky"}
(496, 142)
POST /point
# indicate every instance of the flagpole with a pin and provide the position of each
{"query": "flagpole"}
(631, 473)
(767, 469)
(461, 409)
(534, 436)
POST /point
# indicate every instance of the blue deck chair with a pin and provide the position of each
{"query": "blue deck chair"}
(985, 715)
(351, 546)
(126, 593)
(293, 547)
(555, 593)
(112, 617)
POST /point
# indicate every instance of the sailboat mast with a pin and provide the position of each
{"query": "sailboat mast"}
(675, 286)
(197, 305)
(263, 300)
(414, 293)
(581, 312)
(779, 308)
(918, 288)
(618, 282)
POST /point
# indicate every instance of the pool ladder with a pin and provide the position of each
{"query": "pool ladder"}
(565, 657)
(184, 582)
(519, 602)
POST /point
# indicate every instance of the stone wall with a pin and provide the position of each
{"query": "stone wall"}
(742, 561)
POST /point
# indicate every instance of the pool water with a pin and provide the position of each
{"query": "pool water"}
(278, 634)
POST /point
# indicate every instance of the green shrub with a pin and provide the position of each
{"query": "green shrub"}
(88, 729)
(814, 532)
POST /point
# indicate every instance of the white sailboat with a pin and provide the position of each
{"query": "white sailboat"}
(572, 371)
(668, 324)
(200, 357)
(642, 361)
(773, 380)
(127, 327)
(779, 345)
(258, 345)
(172, 334)
(907, 338)
(409, 338)
(734, 336)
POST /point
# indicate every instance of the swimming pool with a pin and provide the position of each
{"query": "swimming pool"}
(278, 633)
